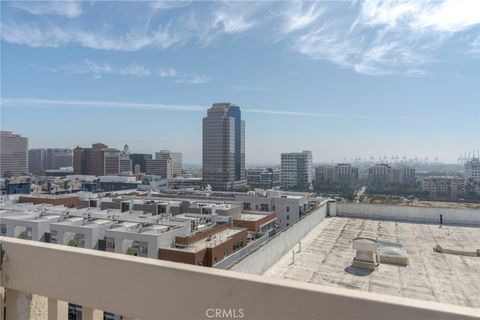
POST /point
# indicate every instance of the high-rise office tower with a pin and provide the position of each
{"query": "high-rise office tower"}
(224, 147)
(297, 170)
(13, 154)
(58, 157)
(175, 157)
(37, 161)
(40, 160)
(139, 159)
(99, 160)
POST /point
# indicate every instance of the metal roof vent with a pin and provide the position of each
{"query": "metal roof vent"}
(367, 253)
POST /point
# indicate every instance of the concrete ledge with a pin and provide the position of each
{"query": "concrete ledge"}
(151, 289)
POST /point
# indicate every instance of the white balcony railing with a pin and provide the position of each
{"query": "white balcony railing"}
(145, 288)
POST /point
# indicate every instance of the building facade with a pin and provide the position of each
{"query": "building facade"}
(265, 178)
(175, 157)
(13, 154)
(339, 177)
(224, 147)
(158, 167)
(385, 178)
(444, 186)
(40, 160)
(472, 169)
(99, 160)
(139, 159)
(297, 170)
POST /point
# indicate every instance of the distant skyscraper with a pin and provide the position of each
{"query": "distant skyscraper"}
(40, 160)
(176, 158)
(13, 154)
(99, 160)
(224, 147)
(37, 161)
(297, 170)
(57, 158)
(139, 159)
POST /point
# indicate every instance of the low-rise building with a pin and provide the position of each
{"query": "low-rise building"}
(256, 221)
(67, 200)
(265, 178)
(143, 239)
(206, 247)
(83, 232)
(289, 207)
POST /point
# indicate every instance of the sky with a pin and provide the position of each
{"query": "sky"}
(342, 79)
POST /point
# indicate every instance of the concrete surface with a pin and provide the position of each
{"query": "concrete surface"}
(327, 255)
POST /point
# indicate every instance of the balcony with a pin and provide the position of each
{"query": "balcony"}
(142, 288)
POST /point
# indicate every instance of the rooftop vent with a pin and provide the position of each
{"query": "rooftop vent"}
(367, 253)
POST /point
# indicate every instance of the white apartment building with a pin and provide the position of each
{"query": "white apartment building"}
(444, 186)
(297, 170)
(288, 207)
(472, 169)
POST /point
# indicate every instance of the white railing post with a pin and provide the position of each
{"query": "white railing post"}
(57, 309)
(91, 314)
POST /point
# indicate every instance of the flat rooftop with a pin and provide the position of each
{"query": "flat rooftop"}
(253, 216)
(326, 256)
(216, 239)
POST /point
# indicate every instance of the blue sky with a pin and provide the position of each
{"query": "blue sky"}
(342, 79)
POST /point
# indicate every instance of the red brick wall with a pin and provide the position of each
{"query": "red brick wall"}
(71, 202)
(253, 226)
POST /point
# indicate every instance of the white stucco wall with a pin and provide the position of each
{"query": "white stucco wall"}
(460, 216)
(266, 255)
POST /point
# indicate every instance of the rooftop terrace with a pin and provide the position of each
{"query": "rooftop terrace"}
(326, 256)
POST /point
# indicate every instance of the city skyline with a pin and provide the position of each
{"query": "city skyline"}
(150, 80)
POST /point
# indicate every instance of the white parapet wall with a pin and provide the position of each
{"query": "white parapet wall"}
(271, 251)
(454, 216)
(142, 288)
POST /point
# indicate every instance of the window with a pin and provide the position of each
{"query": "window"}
(288, 209)
(238, 245)
(3, 228)
(247, 206)
(288, 217)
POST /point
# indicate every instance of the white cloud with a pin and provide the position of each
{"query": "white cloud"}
(65, 8)
(381, 37)
(52, 35)
(51, 103)
(167, 5)
(446, 16)
(300, 15)
(368, 37)
(99, 69)
(167, 73)
(192, 79)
